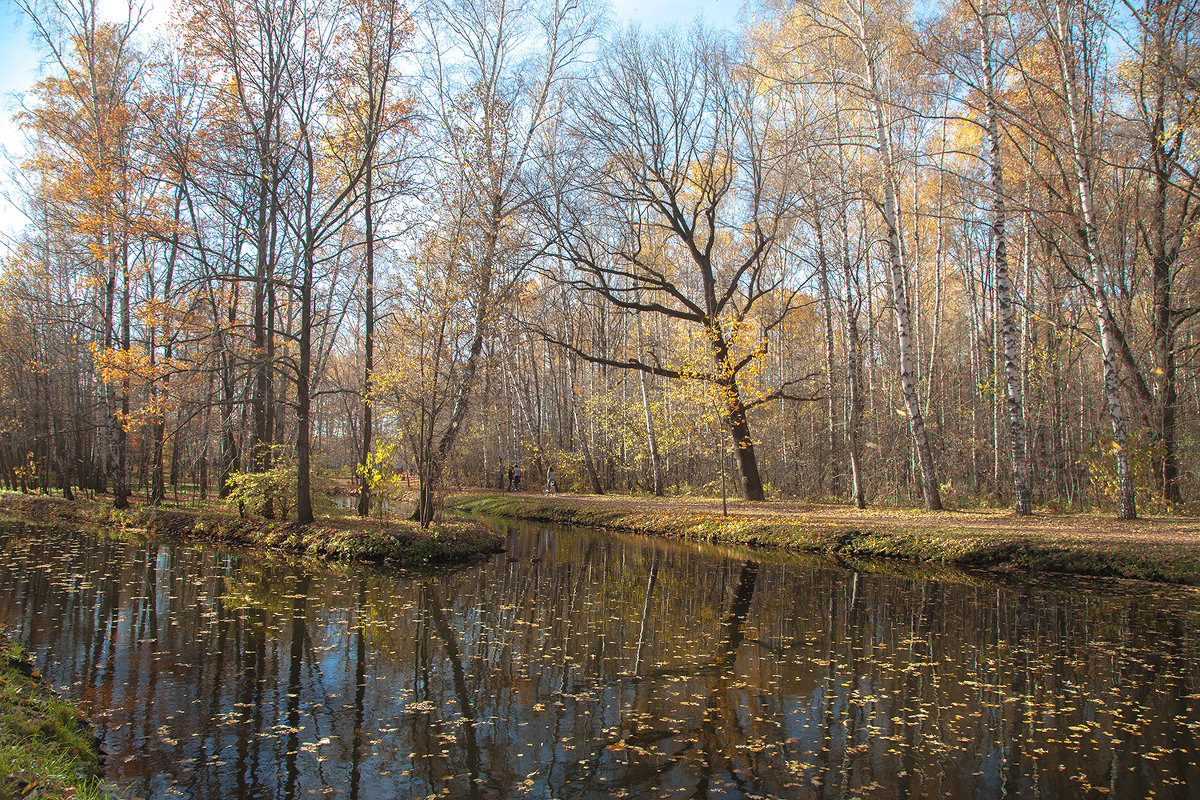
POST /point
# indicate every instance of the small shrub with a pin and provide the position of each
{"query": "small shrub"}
(249, 492)
(1101, 463)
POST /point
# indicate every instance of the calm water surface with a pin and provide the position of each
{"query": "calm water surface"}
(588, 665)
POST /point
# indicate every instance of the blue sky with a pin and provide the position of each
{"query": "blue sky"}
(16, 58)
(17, 71)
(19, 62)
(657, 13)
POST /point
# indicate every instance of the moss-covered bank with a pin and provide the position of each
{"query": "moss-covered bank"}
(47, 748)
(1081, 545)
(404, 543)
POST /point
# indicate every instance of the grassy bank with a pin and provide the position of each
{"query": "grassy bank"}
(47, 749)
(345, 538)
(1156, 549)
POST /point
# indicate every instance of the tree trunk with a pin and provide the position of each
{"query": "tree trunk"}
(431, 471)
(229, 440)
(655, 464)
(364, 493)
(267, 223)
(854, 387)
(158, 484)
(589, 463)
(1126, 498)
(1015, 402)
(853, 375)
(427, 485)
(304, 509)
(939, 258)
(916, 420)
(733, 415)
(1162, 259)
(831, 400)
(121, 489)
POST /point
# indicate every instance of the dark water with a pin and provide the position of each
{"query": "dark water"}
(588, 665)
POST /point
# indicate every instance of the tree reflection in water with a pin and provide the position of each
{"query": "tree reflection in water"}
(589, 665)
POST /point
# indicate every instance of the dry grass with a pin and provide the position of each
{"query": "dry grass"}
(401, 542)
(1152, 548)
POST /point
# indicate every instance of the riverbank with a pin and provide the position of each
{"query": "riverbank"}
(1164, 549)
(47, 749)
(345, 538)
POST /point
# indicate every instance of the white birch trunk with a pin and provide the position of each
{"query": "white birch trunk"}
(916, 420)
(1126, 499)
(1012, 367)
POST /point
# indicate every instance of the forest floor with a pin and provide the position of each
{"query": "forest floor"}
(1159, 548)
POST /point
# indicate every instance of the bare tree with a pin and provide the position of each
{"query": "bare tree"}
(383, 29)
(682, 190)
(1166, 106)
(971, 57)
(490, 106)
(1066, 35)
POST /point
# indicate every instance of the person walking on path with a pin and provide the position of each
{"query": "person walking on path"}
(551, 486)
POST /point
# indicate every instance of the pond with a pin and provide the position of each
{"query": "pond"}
(589, 665)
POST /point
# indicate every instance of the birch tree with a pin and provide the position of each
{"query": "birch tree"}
(970, 54)
(1066, 35)
(860, 26)
(496, 72)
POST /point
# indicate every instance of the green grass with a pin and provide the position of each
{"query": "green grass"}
(47, 749)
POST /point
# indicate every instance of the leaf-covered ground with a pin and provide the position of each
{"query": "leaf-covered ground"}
(1151, 548)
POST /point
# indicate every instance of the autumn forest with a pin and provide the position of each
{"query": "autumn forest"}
(858, 252)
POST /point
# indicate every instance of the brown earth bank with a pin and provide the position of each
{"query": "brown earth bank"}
(450, 541)
(1164, 549)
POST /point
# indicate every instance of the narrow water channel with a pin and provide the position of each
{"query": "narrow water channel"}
(589, 665)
